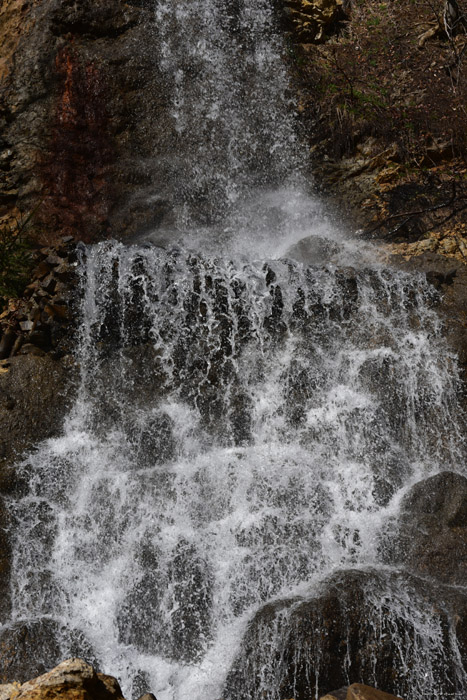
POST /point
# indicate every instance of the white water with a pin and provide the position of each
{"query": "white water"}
(244, 425)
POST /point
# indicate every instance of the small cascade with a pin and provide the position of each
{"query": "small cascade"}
(231, 108)
(241, 431)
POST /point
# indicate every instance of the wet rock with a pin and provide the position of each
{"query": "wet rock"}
(28, 649)
(39, 390)
(450, 279)
(432, 537)
(313, 250)
(389, 629)
(36, 391)
(154, 441)
(168, 610)
(5, 554)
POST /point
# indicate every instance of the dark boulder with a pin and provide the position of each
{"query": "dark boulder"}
(432, 529)
(386, 628)
(34, 394)
(28, 649)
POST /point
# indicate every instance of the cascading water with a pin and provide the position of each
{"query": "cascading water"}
(242, 428)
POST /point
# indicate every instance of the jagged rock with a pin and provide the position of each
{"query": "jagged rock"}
(359, 625)
(73, 678)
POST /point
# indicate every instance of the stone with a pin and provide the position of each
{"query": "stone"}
(358, 691)
(7, 690)
(432, 529)
(73, 679)
(28, 649)
(354, 626)
(6, 343)
(30, 349)
(33, 383)
(36, 391)
(26, 325)
(340, 694)
(313, 20)
(72, 119)
(313, 250)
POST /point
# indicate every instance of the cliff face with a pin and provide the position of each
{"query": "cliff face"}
(380, 92)
(80, 102)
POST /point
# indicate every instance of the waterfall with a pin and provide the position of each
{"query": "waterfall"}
(245, 425)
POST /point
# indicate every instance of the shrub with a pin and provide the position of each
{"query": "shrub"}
(15, 256)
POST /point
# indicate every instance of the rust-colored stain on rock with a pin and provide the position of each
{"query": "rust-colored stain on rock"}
(74, 166)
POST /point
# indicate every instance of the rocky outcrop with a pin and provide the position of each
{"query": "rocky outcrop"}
(37, 375)
(31, 648)
(73, 679)
(357, 627)
(34, 393)
(432, 538)
(78, 139)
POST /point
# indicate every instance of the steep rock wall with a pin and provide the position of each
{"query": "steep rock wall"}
(81, 116)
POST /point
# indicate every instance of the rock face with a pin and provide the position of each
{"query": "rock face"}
(358, 691)
(73, 679)
(76, 132)
(449, 276)
(432, 539)
(29, 648)
(357, 627)
(34, 392)
(34, 396)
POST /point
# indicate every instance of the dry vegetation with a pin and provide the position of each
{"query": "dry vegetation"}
(390, 84)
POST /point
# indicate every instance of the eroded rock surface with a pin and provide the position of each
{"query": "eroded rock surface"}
(80, 115)
(432, 538)
(357, 627)
(73, 679)
(30, 648)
